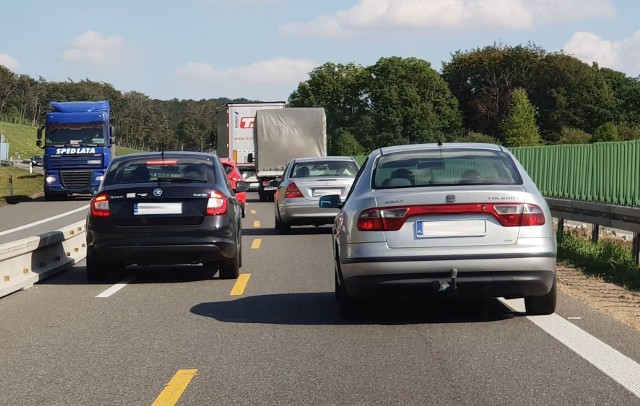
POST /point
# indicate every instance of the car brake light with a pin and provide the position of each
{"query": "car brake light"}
(393, 218)
(100, 206)
(292, 191)
(217, 203)
(162, 162)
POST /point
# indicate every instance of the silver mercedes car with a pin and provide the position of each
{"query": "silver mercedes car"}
(445, 219)
(304, 181)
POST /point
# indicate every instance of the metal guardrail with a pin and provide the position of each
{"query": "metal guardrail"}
(30, 260)
(599, 214)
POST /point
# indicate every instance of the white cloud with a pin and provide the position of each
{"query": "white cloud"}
(272, 79)
(91, 48)
(9, 62)
(273, 71)
(369, 16)
(622, 55)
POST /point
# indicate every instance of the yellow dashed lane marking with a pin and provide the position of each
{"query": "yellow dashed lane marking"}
(240, 285)
(252, 211)
(256, 244)
(175, 388)
(256, 224)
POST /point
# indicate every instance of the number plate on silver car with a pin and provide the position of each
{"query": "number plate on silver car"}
(451, 228)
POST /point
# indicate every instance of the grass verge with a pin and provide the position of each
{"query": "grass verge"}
(25, 185)
(611, 260)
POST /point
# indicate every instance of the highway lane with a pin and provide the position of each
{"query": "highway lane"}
(280, 341)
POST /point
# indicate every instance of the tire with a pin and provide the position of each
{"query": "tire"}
(230, 268)
(263, 196)
(542, 305)
(347, 305)
(282, 227)
(97, 271)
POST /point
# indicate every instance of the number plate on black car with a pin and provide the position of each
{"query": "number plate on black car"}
(144, 209)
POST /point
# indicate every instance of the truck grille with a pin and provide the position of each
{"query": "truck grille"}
(74, 161)
(75, 179)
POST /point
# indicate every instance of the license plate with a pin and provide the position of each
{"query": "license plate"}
(451, 228)
(324, 192)
(146, 209)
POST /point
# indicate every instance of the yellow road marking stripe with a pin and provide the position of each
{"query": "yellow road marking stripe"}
(175, 388)
(256, 223)
(256, 244)
(252, 211)
(240, 285)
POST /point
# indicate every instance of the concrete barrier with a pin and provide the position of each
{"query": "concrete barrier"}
(30, 260)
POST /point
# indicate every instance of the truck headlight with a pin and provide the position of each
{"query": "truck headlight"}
(50, 179)
(99, 178)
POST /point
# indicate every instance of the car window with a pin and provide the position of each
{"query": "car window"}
(154, 170)
(355, 180)
(317, 169)
(445, 167)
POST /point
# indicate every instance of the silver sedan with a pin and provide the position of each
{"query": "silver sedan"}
(305, 180)
(444, 219)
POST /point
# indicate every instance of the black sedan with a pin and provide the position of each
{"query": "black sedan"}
(164, 209)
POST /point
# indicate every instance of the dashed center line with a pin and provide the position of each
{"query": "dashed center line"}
(256, 223)
(175, 388)
(240, 285)
(117, 286)
(256, 244)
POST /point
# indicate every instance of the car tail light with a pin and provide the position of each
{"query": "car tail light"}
(292, 191)
(382, 219)
(218, 204)
(100, 206)
(509, 215)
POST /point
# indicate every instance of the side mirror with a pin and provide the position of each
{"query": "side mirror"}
(250, 157)
(274, 183)
(112, 135)
(39, 136)
(330, 202)
(39, 143)
(242, 186)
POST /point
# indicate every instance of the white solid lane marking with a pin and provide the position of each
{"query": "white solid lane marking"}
(35, 223)
(117, 286)
(611, 362)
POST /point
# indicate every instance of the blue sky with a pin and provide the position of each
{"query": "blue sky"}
(262, 49)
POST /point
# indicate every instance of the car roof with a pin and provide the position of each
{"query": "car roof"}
(323, 158)
(167, 154)
(448, 145)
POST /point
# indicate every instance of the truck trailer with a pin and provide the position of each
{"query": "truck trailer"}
(78, 145)
(281, 135)
(234, 139)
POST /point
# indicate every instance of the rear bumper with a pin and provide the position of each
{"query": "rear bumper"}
(306, 213)
(165, 254)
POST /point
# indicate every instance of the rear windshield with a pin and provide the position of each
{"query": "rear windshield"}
(445, 167)
(158, 170)
(324, 168)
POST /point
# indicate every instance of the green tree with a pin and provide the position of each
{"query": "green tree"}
(346, 144)
(519, 128)
(606, 132)
(569, 135)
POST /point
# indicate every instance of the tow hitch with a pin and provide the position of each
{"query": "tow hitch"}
(447, 285)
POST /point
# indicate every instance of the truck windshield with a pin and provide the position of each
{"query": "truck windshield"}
(76, 135)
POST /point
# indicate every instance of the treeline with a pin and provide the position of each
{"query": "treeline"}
(511, 95)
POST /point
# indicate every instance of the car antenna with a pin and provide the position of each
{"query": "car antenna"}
(162, 150)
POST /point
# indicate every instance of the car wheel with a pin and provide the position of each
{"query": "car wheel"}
(346, 304)
(281, 226)
(97, 271)
(541, 305)
(243, 212)
(230, 268)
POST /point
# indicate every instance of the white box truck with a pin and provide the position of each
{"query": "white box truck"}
(234, 139)
(284, 134)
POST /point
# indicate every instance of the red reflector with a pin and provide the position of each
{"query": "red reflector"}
(509, 215)
(100, 206)
(162, 162)
(292, 191)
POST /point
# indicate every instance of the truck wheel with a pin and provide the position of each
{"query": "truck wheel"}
(97, 271)
(541, 305)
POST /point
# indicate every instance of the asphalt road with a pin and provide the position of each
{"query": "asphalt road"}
(175, 332)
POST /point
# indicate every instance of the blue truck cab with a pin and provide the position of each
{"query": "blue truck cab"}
(78, 145)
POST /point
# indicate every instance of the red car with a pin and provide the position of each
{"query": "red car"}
(234, 175)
